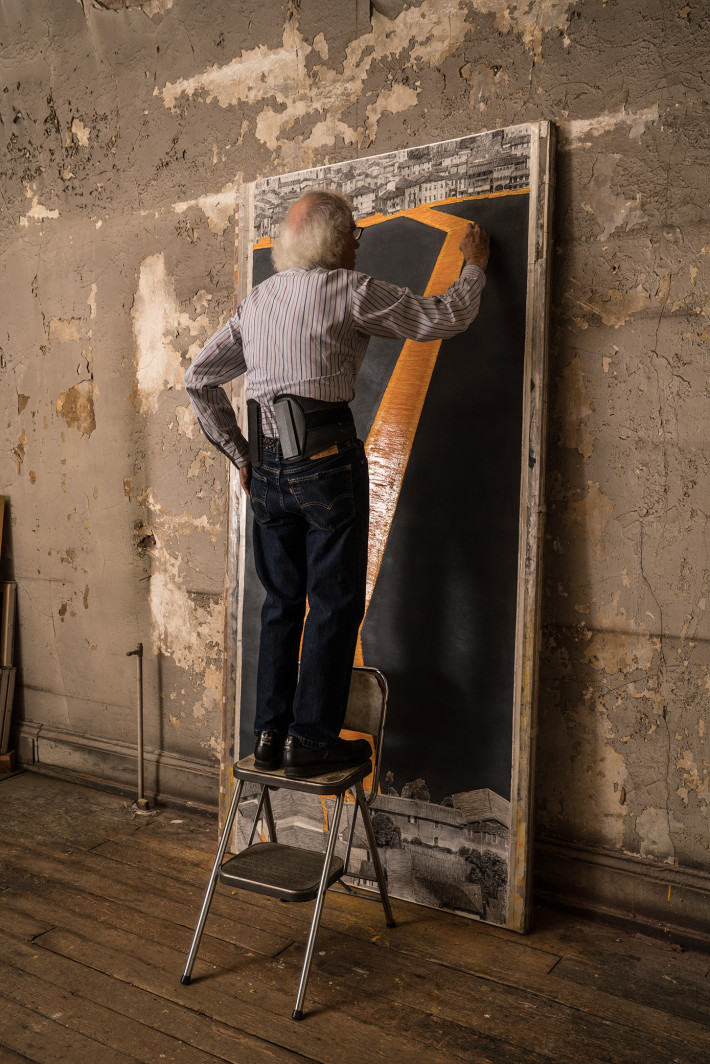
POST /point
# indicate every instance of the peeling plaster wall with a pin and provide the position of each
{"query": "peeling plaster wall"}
(128, 127)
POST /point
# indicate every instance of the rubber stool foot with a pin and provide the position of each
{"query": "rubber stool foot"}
(297, 1014)
(186, 980)
(391, 923)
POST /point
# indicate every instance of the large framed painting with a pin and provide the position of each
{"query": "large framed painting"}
(454, 433)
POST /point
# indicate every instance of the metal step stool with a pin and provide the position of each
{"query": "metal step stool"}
(289, 872)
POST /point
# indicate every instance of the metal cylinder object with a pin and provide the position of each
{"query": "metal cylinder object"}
(141, 802)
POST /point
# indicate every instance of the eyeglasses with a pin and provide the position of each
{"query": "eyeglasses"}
(357, 232)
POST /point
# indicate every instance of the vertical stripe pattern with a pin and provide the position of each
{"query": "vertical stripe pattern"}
(306, 332)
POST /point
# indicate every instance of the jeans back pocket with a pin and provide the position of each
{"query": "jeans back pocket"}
(259, 489)
(326, 497)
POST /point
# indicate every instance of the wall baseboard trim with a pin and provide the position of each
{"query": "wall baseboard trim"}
(649, 896)
(645, 895)
(113, 765)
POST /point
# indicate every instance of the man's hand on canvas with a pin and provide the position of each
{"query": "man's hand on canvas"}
(475, 246)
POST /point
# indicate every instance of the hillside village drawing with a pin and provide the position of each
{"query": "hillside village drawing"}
(385, 184)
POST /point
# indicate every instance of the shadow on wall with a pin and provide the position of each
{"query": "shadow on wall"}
(561, 691)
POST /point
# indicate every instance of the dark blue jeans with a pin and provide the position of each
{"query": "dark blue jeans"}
(310, 543)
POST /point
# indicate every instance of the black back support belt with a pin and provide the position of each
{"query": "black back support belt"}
(305, 426)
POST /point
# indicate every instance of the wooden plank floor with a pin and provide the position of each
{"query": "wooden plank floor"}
(98, 907)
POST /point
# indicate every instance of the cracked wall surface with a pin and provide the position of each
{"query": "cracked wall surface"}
(128, 127)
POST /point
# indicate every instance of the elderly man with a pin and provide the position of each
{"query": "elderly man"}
(300, 337)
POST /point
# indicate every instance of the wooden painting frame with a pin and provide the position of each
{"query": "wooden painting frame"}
(514, 903)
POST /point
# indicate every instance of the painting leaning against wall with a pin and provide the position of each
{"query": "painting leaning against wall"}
(454, 436)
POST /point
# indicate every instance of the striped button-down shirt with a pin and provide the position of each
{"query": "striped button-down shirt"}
(306, 332)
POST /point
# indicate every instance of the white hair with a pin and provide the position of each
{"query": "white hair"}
(314, 234)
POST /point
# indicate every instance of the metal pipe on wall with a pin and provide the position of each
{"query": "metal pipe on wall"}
(141, 804)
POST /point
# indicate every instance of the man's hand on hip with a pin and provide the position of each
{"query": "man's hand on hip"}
(475, 246)
(245, 478)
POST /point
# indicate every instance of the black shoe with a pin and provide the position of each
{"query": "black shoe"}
(301, 761)
(268, 750)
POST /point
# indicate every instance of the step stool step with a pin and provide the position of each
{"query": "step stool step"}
(280, 871)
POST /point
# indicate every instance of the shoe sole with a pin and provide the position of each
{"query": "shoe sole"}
(267, 766)
(320, 770)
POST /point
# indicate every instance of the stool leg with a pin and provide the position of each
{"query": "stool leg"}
(389, 918)
(332, 839)
(268, 813)
(187, 975)
(256, 817)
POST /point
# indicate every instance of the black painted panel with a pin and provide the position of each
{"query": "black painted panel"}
(442, 619)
